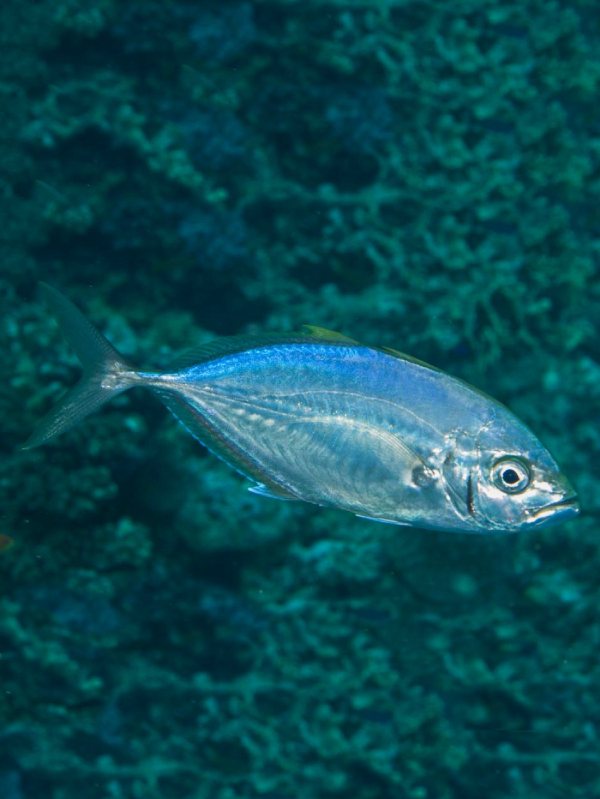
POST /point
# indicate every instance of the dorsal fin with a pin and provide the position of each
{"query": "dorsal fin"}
(327, 336)
(404, 357)
(231, 345)
(391, 351)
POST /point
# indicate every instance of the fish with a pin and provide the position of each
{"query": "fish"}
(6, 543)
(316, 416)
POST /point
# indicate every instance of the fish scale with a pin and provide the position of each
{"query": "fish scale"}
(311, 459)
(317, 416)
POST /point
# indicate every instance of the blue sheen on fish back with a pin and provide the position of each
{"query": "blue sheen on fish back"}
(316, 416)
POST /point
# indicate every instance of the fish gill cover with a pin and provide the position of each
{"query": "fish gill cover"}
(421, 175)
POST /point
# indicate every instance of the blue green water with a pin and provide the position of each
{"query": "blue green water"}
(421, 175)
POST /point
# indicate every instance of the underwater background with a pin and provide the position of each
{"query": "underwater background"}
(422, 175)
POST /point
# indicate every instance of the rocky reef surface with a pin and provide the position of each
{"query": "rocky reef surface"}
(422, 175)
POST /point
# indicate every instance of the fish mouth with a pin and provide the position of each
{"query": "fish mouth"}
(559, 511)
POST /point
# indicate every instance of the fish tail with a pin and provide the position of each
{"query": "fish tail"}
(105, 372)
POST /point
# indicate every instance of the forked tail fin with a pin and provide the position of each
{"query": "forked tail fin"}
(105, 371)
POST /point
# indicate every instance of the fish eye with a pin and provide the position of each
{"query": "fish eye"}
(510, 475)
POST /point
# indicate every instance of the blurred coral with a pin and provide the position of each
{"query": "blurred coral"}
(421, 175)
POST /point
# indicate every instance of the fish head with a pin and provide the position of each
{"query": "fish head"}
(502, 479)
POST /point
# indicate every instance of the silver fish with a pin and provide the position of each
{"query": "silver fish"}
(319, 417)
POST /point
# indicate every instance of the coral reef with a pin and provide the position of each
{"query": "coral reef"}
(415, 173)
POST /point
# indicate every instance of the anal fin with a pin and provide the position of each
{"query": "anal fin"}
(274, 493)
(381, 521)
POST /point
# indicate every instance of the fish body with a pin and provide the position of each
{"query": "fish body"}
(316, 416)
